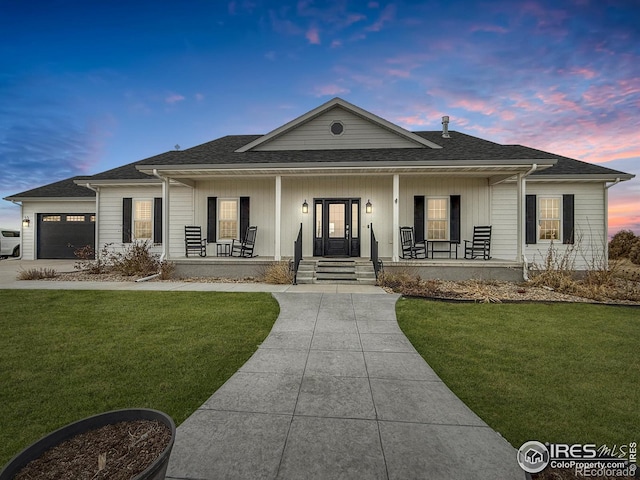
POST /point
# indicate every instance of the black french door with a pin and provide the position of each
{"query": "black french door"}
(337, 227)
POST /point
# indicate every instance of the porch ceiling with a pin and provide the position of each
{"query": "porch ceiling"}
(503, 168)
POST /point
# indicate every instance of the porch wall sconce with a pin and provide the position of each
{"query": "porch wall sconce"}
(26, 222)
(305, 207)
(368, 207)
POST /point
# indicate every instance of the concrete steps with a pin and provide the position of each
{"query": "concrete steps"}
(336, 271)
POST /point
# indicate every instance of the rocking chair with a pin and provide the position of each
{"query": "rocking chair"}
(245, 248)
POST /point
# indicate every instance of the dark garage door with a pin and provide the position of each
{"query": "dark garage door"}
(60, 234)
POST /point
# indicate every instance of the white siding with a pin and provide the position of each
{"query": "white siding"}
(474, 200)
(110, 214)
(32, 209)
(358, 133)
(181, 213)
(504, 218)
(589, 217)
(261, 193)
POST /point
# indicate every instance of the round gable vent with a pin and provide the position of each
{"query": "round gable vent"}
(337, 128)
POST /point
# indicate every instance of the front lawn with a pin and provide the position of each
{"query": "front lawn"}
(560, 373)
(65, 355)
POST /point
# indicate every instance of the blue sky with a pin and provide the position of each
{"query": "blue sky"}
(87, 86)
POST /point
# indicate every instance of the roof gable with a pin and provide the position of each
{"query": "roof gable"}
(355, 128)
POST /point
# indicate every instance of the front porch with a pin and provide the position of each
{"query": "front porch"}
(442, 269)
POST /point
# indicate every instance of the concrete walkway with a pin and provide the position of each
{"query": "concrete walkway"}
(337, 391)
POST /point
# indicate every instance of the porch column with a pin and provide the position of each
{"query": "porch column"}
(521, 217)
(278, 217)
(165, 219)
(396, 218)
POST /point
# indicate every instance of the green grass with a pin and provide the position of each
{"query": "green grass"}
(65, 355)
(563, 373)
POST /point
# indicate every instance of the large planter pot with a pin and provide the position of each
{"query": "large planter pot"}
(155, 471)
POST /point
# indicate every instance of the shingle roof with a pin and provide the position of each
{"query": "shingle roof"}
(63, 189)
(459, 147)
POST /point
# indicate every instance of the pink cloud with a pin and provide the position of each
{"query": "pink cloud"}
(413, 121)
(336, 44)
(398, 73)
(199, 97)
(174, 98)
(330, 90)
(313, 35)
(584, 72)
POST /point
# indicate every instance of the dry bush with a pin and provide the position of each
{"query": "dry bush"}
(557, 270)
(406, 282)
(634, 252)
(621, 244)
(167, 270)
(277, 273)
(37, 274)
(136, 259)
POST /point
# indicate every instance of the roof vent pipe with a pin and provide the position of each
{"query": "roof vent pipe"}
(445, 126)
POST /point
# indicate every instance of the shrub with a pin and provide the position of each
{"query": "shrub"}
(634, 251)
(37, 274)
(621, 244)
(557, 270)
(277, 273)
(136, 259)
(166, 270)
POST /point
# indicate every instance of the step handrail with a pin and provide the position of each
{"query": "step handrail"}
(297, 255)
(378, 266)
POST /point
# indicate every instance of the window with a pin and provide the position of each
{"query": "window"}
(75, 218)
(142, 219)
(549, 215)
(10, 233)
(337, 128)
(437, 218)
(228, 220)
(52, 218)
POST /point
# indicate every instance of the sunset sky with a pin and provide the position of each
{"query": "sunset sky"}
(86, 85)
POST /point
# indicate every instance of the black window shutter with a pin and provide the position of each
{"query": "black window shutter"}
(244, 216)
(418, 217)
(127, 206)
(212, 219)
(454, 225)
(567, 219)
(157, 220)
(531, 222)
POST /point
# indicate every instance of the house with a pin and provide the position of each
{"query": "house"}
(336, 173)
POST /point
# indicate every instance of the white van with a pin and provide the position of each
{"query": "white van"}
(9, 242)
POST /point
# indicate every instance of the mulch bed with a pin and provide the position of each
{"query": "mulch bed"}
(117, 452)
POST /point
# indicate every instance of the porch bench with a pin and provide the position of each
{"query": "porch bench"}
(442, 246)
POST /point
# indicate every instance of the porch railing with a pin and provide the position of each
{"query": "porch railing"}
(297, 255)
(377, 263)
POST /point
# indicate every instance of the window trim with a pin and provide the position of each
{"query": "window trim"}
(134, 201)
(559, 199)
(219, 219)
(447, 218)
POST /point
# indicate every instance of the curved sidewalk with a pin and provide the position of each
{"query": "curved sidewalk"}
(337, 391)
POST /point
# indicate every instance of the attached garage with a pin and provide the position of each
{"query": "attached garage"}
(61, 234)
